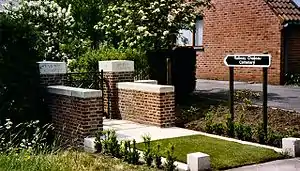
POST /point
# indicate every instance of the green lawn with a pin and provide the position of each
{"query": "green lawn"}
(223, 154)
(65, 161)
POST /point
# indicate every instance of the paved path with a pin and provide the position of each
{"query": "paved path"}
(286, 97)
(279, 165)
(131, 130)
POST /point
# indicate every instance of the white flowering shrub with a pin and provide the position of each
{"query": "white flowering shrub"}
(53, 23)
(24, 136)
(149, 24)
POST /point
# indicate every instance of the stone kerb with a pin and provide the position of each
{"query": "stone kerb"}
(52, 73)
(76, 113)
(147, 103)
(115, 71)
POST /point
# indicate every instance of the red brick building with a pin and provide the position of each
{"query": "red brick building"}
(249, 26)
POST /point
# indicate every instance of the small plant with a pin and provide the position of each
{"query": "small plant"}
(125, 151)
(229, 126)
(274, 138)
(169, 165)
(134, 155)
(248, 133)
(114, 146)
(157, 157)
(261, 136)
(148, 155)
(239, 130)
(218, 128)
(209, 122)
(98, 142)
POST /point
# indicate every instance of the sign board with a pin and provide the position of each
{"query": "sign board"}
(248, 60)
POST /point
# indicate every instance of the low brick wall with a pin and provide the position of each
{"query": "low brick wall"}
(76, 113)
(147, 103)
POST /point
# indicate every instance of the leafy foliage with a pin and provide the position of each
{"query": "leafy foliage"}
(53, 25)
(89, 61)
(170, 159)
(148, 156)
(19, 80)
(27, 136)
(149, 25)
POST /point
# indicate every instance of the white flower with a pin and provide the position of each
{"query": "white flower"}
(165, 33)
(140, 29)
(156, 10)
(144, 18)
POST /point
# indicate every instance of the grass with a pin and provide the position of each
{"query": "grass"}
(64, 161)
(223, 154)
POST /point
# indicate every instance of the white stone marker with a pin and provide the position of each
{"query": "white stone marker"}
(50, 67)
(291, 146)
(198, 161)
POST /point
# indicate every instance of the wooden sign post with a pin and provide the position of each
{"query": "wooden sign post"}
(249, 60)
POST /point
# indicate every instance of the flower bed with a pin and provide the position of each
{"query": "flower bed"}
(212, 116)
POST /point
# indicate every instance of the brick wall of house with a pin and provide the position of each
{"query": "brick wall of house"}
(293, 48)
(75, 116)
(147, 103)
(239, 26)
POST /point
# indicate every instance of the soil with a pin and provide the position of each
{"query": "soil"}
(191, 115)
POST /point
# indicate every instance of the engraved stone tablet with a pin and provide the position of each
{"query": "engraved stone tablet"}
(49, 67)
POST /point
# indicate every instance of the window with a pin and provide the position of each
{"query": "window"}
(297, 2)
(189, 38)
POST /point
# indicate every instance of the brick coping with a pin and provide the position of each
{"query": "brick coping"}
(151, 88)
(74, 92)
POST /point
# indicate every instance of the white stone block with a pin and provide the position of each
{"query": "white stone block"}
(89, 145)
(151, 88)
(75, 92)
(116, 66)
(291, 146)
(146, 81)
(198, 161)
(50, 67)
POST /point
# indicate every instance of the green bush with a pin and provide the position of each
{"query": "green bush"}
(19, 78)
(243, 132)
(89, 61)
(218, 128)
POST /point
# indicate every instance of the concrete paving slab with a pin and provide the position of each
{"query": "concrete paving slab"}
(130, 130)
(278, 165)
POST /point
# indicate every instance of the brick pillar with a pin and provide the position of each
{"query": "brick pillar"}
(115, 71)
(52, 73)
(76, 113)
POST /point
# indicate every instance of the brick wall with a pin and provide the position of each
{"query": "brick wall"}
(76, 113)
(239, 26)
(112, 78)
(293, 48)
(115, 71)
(147, 103)
(52, 79)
